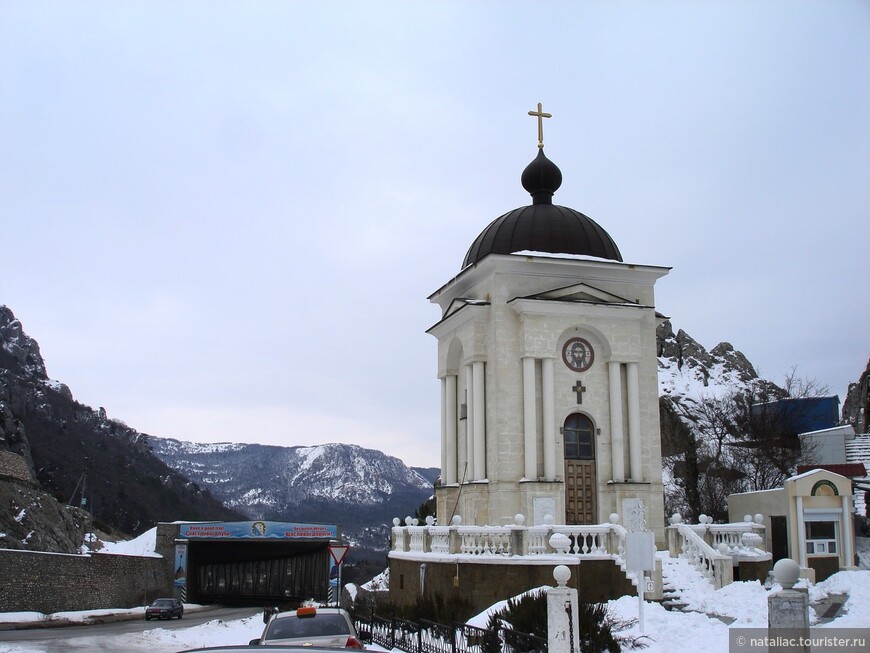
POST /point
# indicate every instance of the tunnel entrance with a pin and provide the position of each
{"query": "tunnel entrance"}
(253, 563)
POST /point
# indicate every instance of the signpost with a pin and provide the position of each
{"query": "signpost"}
(338, 552)
(640, 553)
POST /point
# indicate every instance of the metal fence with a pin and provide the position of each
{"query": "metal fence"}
(430, 637)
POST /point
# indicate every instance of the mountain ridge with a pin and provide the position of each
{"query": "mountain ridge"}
(360, 488)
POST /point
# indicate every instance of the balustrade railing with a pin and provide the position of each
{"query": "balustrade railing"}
(732, 535)
(439, 539)
(597, 540)
(713, 565)
(417, 538)
(485, 540)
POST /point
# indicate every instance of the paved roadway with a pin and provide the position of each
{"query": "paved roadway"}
(56, 639)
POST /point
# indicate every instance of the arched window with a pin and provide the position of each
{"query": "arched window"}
(579, 437)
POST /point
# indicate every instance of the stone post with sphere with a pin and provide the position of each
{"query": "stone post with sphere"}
(788, 611)
(563, 621)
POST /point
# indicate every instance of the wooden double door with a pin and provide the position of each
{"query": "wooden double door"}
(581, 492)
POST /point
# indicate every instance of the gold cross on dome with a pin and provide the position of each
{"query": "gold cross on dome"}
(540, 115)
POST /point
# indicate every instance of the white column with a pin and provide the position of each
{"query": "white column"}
(448, 476)
(444, 430)
(548, 407)
(617, 443)
(634, 450)
(479, 421)
(802, 533)
(530, 419)
(847, 534)
(469, 424)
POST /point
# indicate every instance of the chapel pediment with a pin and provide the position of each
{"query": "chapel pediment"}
(462, 302)
(581, 292)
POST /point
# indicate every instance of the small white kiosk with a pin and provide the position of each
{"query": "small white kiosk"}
(808, 520)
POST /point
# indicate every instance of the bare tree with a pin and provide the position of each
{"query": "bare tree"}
(721, 445)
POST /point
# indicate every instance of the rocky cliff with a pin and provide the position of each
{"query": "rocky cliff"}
(856, 406)
(77, 454)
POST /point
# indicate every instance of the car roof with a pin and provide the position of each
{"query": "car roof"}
(271, 648)
(292, 613)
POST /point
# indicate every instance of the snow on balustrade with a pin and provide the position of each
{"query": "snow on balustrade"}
(586, 540)
(713, 565)
(485, 540)
(514, 541)
(538, 536)
(417, 538)
(439, 539)
(732, 534)
(398, 537)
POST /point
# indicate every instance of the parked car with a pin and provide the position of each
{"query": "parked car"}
(164, 609)
(323, 627)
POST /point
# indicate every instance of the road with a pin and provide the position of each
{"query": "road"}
(102, 637)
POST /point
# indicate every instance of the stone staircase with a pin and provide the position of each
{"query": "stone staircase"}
(672, 595)
(679, 576)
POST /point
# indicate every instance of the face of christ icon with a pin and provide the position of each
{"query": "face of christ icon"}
(578, 354)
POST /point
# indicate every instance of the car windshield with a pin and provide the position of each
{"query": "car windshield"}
(163, 603)
(321, 625)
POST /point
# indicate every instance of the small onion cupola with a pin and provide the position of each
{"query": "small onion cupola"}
(542, 226)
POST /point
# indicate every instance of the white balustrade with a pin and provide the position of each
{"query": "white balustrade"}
(485, 540)
(617, 536)
(417, 538)
(538, 536)
(713, 565)
(586, 540)
(398, 538)
(439, 539)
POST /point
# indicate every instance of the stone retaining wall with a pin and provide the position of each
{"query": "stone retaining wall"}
(57, 582)
(482, 584)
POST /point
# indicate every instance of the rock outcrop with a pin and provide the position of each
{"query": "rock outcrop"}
(856, 406)
(66, 445)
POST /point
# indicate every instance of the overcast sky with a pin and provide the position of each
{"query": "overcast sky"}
(221, 220)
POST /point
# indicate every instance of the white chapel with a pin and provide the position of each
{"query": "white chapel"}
(548, 370)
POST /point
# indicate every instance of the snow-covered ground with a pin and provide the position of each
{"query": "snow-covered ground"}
(155, 640)
(745, 603)
(144, 545)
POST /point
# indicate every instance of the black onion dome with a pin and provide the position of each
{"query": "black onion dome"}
(543, 226)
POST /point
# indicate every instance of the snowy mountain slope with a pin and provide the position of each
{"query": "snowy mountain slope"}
(688, 372)
(693, 381)
(339, 483)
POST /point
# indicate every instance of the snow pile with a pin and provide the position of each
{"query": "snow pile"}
(380, 583)
(746, 603)
(212, 633)
(155, 640)
(482, 620)
(144, 545)
(856, 611)
(700, 595)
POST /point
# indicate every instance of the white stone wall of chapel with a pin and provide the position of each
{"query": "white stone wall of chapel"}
(507, 329)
